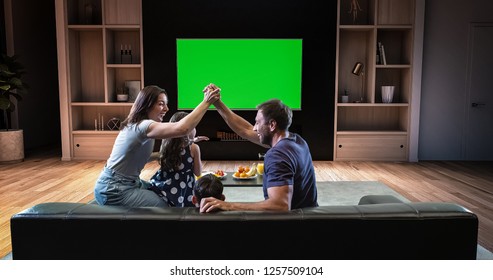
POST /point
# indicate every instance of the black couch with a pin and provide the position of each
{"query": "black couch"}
(380, 227)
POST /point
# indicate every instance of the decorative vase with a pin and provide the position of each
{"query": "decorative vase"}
(133, 88)
(122, 97)
(387, 94)
(12, 145)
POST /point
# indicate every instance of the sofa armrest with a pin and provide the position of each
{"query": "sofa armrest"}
(378, 199)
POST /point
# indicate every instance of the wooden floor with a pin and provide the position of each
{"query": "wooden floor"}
(42, 177)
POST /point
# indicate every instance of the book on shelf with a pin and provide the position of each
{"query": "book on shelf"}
(381, 50)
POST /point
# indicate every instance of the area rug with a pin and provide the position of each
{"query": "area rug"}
(329, 193)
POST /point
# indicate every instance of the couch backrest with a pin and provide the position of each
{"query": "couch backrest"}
(378, 231)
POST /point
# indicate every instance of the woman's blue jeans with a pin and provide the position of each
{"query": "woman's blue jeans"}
(113, 188)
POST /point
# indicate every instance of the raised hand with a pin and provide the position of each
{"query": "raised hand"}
(211, 93)
(200, 138)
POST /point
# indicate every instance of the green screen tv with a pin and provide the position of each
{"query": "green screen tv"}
(248, 71)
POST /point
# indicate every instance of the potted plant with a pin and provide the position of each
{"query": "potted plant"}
(345, 97)
(11, 86)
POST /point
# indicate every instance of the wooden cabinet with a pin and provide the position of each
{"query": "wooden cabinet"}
(384, 146)
(99, 51)
(366, 127)
(89, 145)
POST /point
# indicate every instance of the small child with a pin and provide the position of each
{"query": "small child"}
(180, 162)
(207, 186)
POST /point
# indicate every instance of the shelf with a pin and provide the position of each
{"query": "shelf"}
(356, 27)
(129, 27)
(84, 12)
(86, 67)
(363, 14)
(102, 104)
(95, 132)
(391, 13)
(123, 66)
(94, 36)
(123, 40)
(395, 27)
(372, 132)
(397, 43)
(85, 27)
(381, 117)
(123, 12)
(371, 129)
(393, 66)
(372, 104)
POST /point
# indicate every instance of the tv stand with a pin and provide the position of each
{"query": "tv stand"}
(230, 150)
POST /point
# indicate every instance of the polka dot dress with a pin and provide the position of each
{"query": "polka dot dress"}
(177, 186)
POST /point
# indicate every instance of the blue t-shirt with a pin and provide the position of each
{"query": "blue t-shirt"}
(289, 162)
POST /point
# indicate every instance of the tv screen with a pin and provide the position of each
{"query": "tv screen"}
(248, 71)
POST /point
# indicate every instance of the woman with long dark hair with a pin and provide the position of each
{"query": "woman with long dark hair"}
(119, 183)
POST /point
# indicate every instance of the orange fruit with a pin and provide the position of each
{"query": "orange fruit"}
(243, 175)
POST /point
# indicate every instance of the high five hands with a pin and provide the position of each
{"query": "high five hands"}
(211, 93)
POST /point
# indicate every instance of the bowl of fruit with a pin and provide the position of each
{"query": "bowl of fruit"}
(246, 172)
(220, 174)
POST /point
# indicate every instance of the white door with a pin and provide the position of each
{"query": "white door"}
(479, 112)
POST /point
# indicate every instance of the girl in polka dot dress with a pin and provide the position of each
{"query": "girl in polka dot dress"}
(180, 162)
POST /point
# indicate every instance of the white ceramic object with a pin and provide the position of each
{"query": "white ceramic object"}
(122, 97)
(133, 88)
(387, 94)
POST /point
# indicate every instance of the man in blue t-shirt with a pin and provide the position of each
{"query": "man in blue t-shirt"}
(289, 177)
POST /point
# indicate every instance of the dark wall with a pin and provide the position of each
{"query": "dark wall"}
(3, 43)
(35, 42)
(314, 21)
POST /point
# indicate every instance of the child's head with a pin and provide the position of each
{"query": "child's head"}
(207, 186)
(171, 148)
(177, 117)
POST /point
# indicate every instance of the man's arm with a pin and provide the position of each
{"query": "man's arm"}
(279, 200)
(238, 124)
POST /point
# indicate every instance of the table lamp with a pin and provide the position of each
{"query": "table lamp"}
(358, 70)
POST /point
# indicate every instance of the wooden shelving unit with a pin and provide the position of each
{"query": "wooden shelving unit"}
(365, 128)
(99, 49)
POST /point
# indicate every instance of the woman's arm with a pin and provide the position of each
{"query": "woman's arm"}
(183, 127)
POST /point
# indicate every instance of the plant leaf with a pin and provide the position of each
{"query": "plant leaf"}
(5, 87)
(4, 103)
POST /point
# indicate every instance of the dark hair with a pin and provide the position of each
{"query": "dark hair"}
(170, 153)
(208, 185)
(274, 109)
(146, 98)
